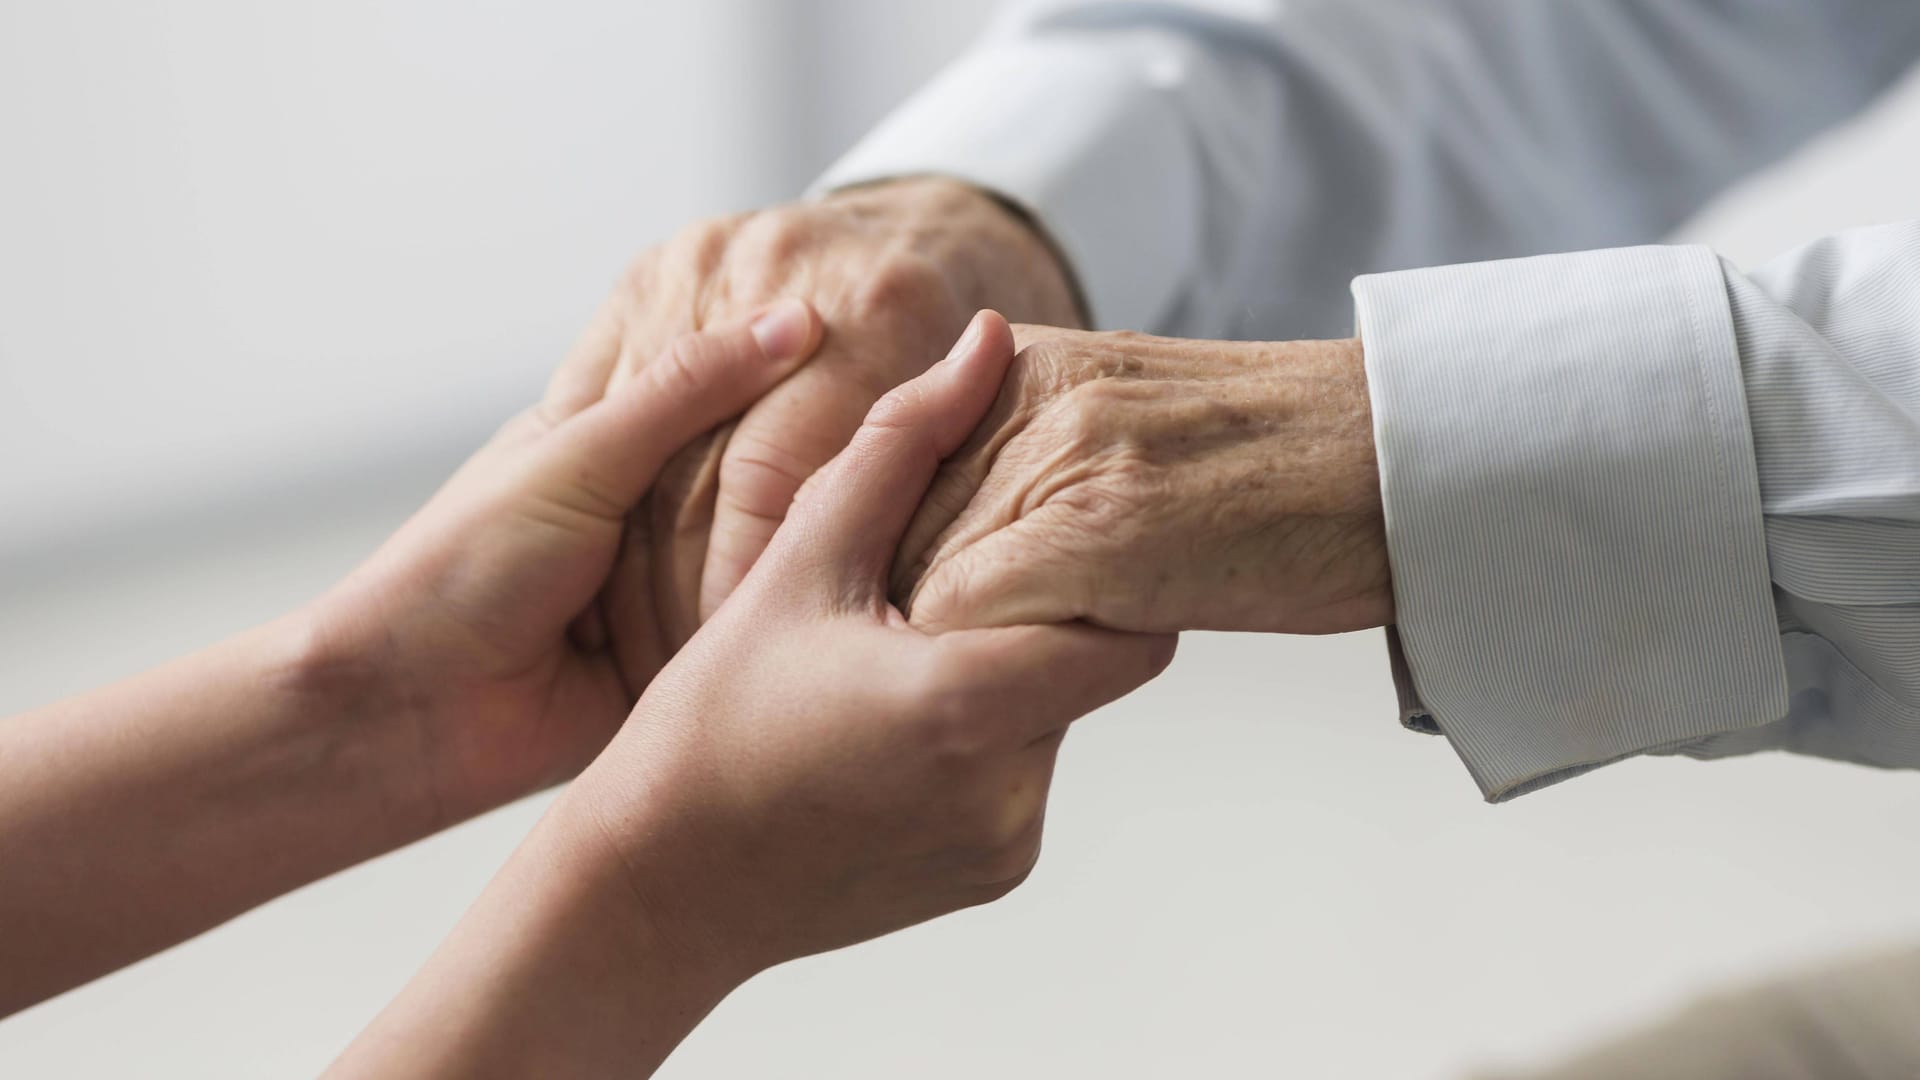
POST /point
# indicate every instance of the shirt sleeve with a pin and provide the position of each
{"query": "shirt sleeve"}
(1638, 501)
(1222, 168)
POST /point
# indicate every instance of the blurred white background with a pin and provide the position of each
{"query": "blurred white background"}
(268, 271)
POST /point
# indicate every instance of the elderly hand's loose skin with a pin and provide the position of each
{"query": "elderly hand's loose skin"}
(1146, 483)
(810, 771)
(895, 269)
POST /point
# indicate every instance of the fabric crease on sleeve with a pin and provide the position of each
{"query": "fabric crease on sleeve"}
(1573, 509)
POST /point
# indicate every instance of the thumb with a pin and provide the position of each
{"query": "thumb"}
(850, 516)
(605, 457)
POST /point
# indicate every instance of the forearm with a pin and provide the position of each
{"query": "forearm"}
(138, 815)
(558, 970)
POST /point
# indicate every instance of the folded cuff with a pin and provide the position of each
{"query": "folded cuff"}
(1573, 511)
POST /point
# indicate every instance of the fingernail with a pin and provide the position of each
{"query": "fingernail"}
(782, 330)
(967, 341)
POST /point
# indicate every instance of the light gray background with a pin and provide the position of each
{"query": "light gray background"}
(268, 271)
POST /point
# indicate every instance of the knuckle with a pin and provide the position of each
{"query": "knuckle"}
(777, 237)
(1083, 411)
(1078, 427)
(681, 367)
(697, 247)
(761, 478)
(900, 407)
(904, 283)
(809, 490)
(705, 239)
(1049, 366)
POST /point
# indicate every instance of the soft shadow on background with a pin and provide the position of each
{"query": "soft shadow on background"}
(268, 271)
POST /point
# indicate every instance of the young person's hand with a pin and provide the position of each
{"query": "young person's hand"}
(808, 772)
(480, 655)
(495, 621)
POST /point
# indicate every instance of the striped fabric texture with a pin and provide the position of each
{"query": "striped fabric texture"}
(1638, 501)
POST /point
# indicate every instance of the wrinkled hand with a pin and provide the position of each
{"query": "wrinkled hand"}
(486, 622)
(811, 771)
(895, 269)
(1154, 484)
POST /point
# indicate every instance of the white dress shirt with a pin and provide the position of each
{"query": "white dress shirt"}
(1636, 499)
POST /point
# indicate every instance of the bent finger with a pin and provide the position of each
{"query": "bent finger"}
(609, 453)
(778, 445)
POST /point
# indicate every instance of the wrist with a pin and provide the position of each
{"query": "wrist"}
(1279, 487)
(559, 969)
(338, 673)
(1335, 548)
(635, 839)
(649, 902)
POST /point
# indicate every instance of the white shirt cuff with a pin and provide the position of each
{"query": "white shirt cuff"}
(1573, 512)
(1081, 136)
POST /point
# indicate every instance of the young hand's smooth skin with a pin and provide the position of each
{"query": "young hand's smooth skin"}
(490, 617)
(1147, 483)
(463, 665)
(809, 772)
(894, 268)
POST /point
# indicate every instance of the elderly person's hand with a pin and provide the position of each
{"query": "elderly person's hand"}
(1146, 483)
(895, 269)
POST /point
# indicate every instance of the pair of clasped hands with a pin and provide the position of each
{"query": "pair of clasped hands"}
(808, 609)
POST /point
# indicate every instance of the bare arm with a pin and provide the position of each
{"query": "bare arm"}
(470, 661)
